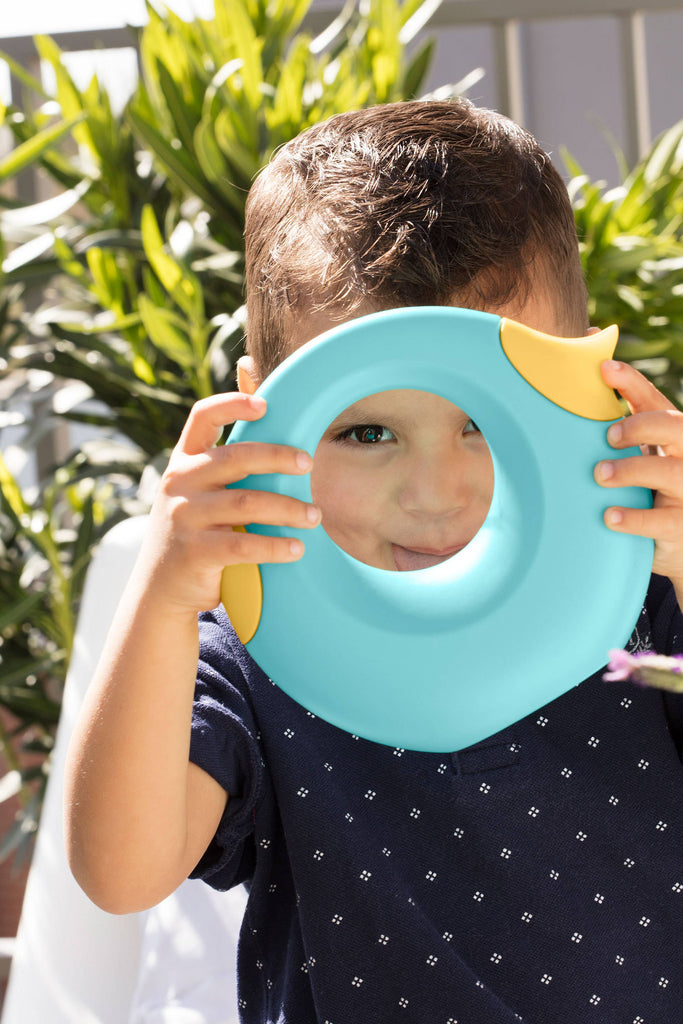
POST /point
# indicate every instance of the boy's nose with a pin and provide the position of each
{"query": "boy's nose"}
(435, 485)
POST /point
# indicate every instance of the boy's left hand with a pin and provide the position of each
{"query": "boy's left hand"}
(656, 426)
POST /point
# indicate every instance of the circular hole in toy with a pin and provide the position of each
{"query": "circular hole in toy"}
(404, 479)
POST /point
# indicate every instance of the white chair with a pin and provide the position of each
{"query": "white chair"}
(75, 964)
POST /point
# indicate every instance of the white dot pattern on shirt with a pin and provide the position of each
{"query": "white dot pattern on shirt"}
(527, 917)
(433, 877)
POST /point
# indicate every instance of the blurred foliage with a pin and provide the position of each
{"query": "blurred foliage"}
(121, 295)
(631, 241)
(45, 547)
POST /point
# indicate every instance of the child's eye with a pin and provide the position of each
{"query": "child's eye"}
(471, 428)
(369, 433)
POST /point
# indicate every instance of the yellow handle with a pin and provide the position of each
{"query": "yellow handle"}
(242, 596)
(565, 370)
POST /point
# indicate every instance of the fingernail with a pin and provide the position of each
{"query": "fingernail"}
(613, 364)
(256, 401)
(296, 548)
(303, 460)
(312, 513)
(605, 470)
(615, 433)
(613, 516)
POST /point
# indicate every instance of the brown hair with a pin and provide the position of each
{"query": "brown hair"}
(418, 203)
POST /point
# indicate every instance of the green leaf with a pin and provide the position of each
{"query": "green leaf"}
(333, 34)
(29, 152)
(82, 548)
(69, 97)
(178, 281)
(24, 700)
(167, 333)
(26, 255)
(19, 72)
(243, 161)
(415, 18)
(286, 111)
(214, 96)
(417, 69)
(11, 493)
(236, 26)
(114, 326)
(19, 610)
(45, 211)
(183, 116)
(171, 159)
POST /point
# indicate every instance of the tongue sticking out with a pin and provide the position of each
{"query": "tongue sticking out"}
(407, 560)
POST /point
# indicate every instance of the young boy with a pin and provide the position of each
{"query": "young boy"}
(537, 876)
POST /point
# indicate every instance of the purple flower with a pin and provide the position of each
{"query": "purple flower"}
(647, 668)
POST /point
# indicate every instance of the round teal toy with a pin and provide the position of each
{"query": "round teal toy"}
(441, 658)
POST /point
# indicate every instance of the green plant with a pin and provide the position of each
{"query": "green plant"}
(45, 547)
(124, 290)
(148, 264)
(631, 241)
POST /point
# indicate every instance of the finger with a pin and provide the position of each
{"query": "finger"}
(209, 416)
(661, 524)
(233, 548)
(235, 462)
(660, 429)
(246, 508)
(657, 472)
(640, 394)
(231, 463)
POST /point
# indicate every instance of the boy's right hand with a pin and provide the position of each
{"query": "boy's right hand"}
(191, 538)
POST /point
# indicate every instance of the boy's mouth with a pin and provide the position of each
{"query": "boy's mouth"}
(409, 559)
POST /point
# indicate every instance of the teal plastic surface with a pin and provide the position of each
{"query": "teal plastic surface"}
(442, 658)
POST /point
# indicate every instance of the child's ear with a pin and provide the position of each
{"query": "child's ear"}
(247, 375)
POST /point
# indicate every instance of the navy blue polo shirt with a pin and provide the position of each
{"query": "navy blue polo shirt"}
(536, 877)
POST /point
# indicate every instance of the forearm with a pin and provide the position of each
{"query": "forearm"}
(139, 816)
(127, 776)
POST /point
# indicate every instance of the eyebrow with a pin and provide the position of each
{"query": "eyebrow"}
(377, 414)
(351, 418)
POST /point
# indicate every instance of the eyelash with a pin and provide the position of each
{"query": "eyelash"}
(361, 428)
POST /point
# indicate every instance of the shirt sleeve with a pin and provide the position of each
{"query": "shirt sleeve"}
(224, 743)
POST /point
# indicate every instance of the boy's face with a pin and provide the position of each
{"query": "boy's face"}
(404, 479)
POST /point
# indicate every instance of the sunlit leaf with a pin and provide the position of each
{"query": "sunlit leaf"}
(22, 75)
(29, 152)
(43, 212)
(415, 18)
(178, 281)
(166, 331)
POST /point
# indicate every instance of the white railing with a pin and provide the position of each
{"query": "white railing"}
(507, 20)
